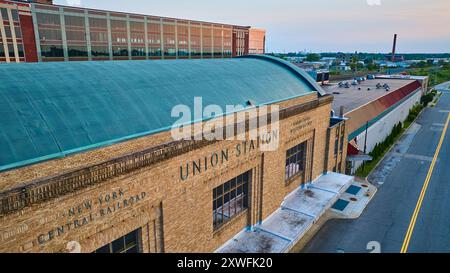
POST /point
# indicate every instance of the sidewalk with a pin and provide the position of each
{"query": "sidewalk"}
(299, 212)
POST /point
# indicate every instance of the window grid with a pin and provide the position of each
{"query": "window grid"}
(295, 161)
(230, 199)
(123, 37)
(129, 243)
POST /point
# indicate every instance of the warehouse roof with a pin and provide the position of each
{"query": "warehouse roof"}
(50, 110)
(358, 95)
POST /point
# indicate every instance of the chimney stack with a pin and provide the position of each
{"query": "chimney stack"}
(394, 47)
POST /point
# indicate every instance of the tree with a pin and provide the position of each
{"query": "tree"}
(313, 57)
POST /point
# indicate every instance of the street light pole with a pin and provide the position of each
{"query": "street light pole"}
(365, 144)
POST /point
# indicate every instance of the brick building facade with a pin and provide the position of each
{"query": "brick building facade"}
(31, 32)
(150, 193)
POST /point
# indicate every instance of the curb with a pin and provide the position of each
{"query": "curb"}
(392, 147)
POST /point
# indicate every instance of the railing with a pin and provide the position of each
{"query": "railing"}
(50, 187)
(47, 188)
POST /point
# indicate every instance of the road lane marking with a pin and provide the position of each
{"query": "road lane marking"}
(423, 192)
(417, 157)
(438, 124)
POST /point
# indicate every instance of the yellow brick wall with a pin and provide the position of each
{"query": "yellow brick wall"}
(186, 204)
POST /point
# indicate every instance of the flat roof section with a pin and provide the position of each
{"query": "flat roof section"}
(353, 98)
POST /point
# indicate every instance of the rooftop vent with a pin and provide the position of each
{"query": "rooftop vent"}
(250, 103)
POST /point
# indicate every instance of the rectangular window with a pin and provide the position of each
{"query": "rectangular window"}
(137, 33)
(154, 52)
(230, 199)
(2, 50)
(50, 35)
(18, 32)
(138, 52)
(48, 19)
(52, 51)
(77, 51)
(15, 15)
(130, 243)
(98, 23)
(169, 40)
(74, 21)
(4, 13)
(8, 32)
(120, 51)
(99, 37)
(100, 51)
(207, 42)
(295, 160)
(119, 34)
(20, 49)
(11, 50)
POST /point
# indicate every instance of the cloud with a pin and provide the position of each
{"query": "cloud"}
(374, 2)
(76, 3)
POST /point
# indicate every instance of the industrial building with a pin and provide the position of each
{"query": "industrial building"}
(374, 106)
(42, 32)
(87, 158)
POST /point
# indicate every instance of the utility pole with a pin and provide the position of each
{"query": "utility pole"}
(365, 144)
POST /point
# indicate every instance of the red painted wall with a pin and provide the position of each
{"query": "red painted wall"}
(360, 116)
(29, 41)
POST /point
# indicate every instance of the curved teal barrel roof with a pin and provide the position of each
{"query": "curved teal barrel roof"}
(50, 110)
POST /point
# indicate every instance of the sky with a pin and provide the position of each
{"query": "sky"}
(313, 25)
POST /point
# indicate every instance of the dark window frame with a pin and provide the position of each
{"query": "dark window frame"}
(295, 156)
(135, 245)
(233, 196)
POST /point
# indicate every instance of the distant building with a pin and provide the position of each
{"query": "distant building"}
(296, 60)
(32, 32)
(376, 105)
(328, 60)
(343, 66)
(309, 65)
(257, 41)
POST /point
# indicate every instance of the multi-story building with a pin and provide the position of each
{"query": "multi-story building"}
(257, 41)
(44, 32)
(88, 159)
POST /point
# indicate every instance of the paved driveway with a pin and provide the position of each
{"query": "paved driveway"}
(387, 217)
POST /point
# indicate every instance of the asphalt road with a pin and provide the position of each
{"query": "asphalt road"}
(387, 218)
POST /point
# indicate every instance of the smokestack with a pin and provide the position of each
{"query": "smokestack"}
(394, 47)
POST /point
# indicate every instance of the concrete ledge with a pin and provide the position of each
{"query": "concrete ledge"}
(333, 182)
(288, 225)
(257, 241)
(311, 202)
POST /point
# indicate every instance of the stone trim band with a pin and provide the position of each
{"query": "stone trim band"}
(44, 189)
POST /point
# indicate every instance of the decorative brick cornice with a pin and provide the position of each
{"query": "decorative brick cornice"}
(46, 188)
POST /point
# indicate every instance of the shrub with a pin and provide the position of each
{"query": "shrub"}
(426, 99)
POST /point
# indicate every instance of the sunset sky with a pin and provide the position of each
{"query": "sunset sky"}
(318, 25)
